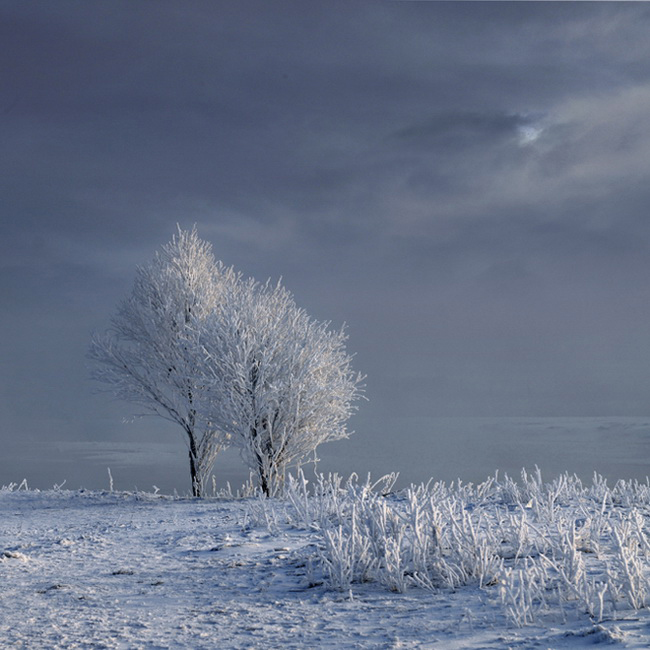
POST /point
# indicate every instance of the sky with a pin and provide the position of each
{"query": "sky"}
(465, 185)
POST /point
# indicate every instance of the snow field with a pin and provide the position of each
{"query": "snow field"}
(337, 564)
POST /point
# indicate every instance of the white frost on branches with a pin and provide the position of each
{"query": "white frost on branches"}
(149, 354)
(230, 360)
(281, 382)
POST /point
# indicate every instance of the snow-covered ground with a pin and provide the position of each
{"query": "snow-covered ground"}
(82, 569)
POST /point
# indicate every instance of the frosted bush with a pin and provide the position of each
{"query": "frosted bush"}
(538, 547)
(11, 487)
(347, 557)
(628, 570)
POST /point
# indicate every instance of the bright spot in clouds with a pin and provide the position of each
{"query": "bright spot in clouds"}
(529, 133)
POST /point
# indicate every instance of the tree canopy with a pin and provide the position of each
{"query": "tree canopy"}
(230, 360)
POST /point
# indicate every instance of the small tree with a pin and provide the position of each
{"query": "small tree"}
(151, 352)
(281, 383)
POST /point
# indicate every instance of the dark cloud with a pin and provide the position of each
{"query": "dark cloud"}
(465, 184)
(462, 129)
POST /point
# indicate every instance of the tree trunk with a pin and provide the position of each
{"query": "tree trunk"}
(194, 470)
(264, 483)
(270, 472)
(271, 477)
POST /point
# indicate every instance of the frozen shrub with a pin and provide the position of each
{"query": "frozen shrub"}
(543, 548)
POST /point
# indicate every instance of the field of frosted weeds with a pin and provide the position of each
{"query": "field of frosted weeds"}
(337, 564)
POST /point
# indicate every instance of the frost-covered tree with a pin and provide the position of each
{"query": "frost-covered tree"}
(281, 382)
(151, 353)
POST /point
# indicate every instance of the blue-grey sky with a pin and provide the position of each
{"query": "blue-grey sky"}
(466, 185)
